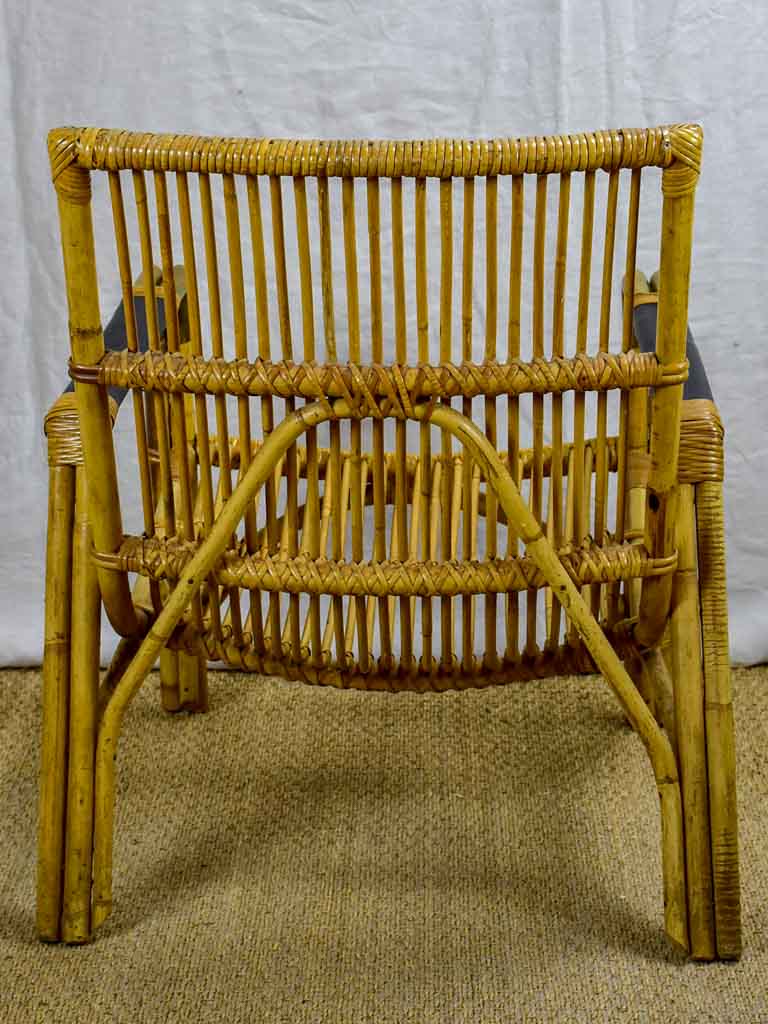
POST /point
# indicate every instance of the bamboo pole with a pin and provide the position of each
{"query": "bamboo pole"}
(678, 188)
(74, 199)
(442, 492)
(558, 350)
(356, 488)
(491, 657)
(379, 470)
(658, 747)
(400, 517)
(537, 472)
(513, 402)
(468, 252)
(425, 444)
(601, 453)
(721, 758)
(196, 571)
(55, 700)
(83, 703)
(686, 664)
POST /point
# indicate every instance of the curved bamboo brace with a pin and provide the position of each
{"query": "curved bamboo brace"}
(197, 570)
(658, 747)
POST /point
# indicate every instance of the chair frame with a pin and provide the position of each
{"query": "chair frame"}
(679, 701)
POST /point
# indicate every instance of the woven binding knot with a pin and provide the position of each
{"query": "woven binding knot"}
(680, 178)
(62, 428)
(71, 182)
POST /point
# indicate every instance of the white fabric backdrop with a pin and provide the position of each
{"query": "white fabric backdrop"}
(327, 68)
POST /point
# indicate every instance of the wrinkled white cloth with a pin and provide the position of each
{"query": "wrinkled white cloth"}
(363, 69)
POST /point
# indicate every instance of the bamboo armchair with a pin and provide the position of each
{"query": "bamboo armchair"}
(356, 503)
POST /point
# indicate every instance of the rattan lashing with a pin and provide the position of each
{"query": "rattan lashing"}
(256, 549)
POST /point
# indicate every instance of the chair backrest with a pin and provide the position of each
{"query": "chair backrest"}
(368, 271)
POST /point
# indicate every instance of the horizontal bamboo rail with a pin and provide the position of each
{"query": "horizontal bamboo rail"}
(115, 150)
(362, 385)
(162, 559)
(321, 456)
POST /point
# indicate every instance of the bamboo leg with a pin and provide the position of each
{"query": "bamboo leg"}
(84, 691)
(199, 567)
(193, 681)
(719, 719)
(170, 696)
(689, 717)
(58, 595)
(183, 681)
(656, 743)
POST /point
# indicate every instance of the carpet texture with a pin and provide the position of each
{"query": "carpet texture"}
(307, 855)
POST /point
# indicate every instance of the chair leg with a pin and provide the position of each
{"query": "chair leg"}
(685, 660)
(183, 681)
(170, 697)
(56, 665)
(605, 657)
(83, 705)
(721, 760)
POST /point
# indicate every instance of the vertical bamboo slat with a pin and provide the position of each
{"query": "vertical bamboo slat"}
(577, 483)
(625, 428)
(167, 510)
(272, 627)
(284, 316)
(202, 433)
(311, 531)
(220, 402)
(468, 251)
(400, 519)
(425, 445)
(446, 446)
(237, 283)
(513, 402)
(601, 450)
(558, 349)
(491, 660)
(190, 680)
(537, 469)
(126, 283)
(377, 353)
(356, 494)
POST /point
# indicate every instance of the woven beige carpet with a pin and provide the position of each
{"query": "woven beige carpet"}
(308, 855)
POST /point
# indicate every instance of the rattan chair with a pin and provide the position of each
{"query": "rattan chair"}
(382, 456)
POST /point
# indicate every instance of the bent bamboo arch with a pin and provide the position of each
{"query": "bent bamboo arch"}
(541, 552)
